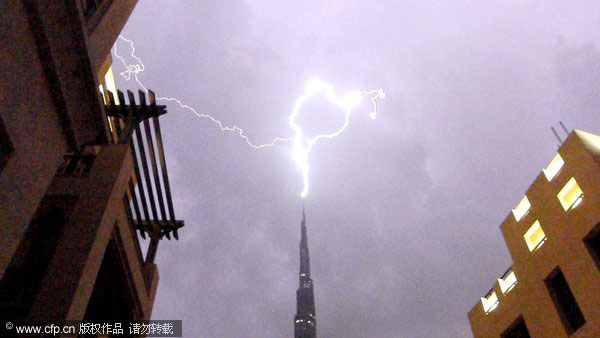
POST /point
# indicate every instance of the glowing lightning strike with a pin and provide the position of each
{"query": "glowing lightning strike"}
(139, 67)
(300, 151)
(347, 102)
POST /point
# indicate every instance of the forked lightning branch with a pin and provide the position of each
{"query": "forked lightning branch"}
(301, 145)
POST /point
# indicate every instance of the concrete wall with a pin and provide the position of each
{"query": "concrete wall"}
(50, 103)
(33, 125)
(104, 28)
(69, 280)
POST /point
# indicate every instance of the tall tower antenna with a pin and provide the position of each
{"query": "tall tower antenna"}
(557, 137)
(564, 128)
(305, 321)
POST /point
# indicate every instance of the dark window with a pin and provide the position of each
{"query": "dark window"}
(517, 329)
(564, 301)
(6, 146)
(592, 243)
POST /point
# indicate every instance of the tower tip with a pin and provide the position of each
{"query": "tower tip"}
(303, 213)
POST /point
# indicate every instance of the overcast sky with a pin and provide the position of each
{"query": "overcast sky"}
(404, 211)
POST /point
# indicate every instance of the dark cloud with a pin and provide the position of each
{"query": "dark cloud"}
(403, 212)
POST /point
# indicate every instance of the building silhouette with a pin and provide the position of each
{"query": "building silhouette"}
(305, 321)
(82, 169)
(553, 235)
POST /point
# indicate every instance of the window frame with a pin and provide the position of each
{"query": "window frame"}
(566, 190)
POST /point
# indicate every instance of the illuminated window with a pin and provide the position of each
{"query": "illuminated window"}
(508, 281)
(521, 209)
(571, 195)
(535, 236)
(490, 302)
(110, 85)
(109, 80)
(554, 167)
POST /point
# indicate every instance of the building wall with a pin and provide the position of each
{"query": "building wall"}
(50, 58)
(32, 124)
(49, 97)
(564, 248)
(98, 213)
(104, 27)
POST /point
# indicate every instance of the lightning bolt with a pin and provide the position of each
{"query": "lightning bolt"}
(301, 146)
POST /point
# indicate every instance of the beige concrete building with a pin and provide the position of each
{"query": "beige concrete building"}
(553, 235)
(80, 178)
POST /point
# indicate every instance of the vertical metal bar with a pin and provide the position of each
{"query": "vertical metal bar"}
(564, 128)
(157, 183)
(140, 143)
(139, 184)
(131, 120)
(557, 137)
(163, 166)
(152, 155)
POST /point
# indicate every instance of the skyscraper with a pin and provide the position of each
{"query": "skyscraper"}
(305, 322)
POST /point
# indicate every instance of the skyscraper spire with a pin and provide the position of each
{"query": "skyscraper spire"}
(305, 322)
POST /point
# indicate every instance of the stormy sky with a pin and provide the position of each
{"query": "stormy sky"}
(404, 211)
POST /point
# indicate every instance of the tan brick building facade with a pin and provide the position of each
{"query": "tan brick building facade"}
(553, 286)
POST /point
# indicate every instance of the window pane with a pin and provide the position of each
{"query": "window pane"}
(521, 209)
(554, 167)
(508, 281)
(570, 195)
(489, 302)
(535, 236)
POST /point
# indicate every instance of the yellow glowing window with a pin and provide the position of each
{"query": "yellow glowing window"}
(554, 167)
(508, 281)
(570, 195)
(521, 209)
(109, 79)
(535, 236)
(490, 302)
